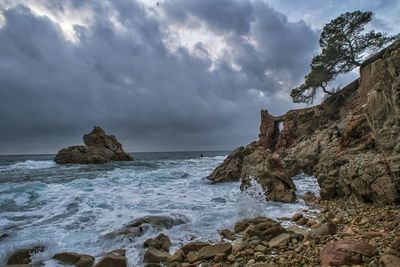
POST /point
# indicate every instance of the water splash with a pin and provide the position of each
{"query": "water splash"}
(252, 201)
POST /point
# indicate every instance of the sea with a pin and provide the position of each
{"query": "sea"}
(74, 207)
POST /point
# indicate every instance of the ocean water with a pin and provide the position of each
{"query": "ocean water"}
(74, 207)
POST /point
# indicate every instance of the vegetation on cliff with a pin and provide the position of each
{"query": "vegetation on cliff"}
(344, 46)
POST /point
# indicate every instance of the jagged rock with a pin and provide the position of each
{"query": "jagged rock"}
(114, 258)
(23, 256)
(139, 226)
(346, 252)
(99, 148)
(231, 168)
(161, 242)
(228, 234)
(153, 255)
(255, 162)
(267, 169)
(214, 250)
(350, 142)
(194, 246)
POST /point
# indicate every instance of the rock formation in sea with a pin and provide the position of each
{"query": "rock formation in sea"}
(350, 142)
(99, 148)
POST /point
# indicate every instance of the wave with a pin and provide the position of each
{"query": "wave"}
(29, 165)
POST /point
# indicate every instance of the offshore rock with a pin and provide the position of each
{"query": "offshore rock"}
(99, 148)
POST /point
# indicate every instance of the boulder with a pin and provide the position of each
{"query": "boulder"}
(99, 148)
(263, 228)
(114, 258)
(140, 225)
(194, 246)
(228, 234)
(23, 256)
(215, 250)
(72, 258)
(192, 256)
(346, 252)
(325, 229)
(153, 255)
(279, 240)
(389, 260)
(178, 256)
(161, 242)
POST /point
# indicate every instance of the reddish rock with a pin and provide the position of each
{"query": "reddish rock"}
(346, 252)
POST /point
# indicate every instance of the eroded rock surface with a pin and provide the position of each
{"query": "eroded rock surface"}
(99, 148)
(350, 142)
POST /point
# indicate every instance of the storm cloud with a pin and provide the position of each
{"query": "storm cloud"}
(130, 70)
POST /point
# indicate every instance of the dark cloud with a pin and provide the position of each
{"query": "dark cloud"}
(122, 76)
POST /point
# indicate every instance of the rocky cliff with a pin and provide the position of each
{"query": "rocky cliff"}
(99, 148)
(350, 142)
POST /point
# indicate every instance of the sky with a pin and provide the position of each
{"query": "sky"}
(174, 76)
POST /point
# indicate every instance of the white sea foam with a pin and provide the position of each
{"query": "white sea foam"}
(91, 201)
(29, 165)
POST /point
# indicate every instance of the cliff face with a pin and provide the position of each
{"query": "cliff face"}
(350, 142)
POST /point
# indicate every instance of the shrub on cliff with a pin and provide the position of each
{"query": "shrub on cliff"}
(344, 45)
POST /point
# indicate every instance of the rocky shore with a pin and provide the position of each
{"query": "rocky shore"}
(350, 143)
(339, 234)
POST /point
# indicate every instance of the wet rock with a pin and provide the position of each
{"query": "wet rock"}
(153, 255)
(389, 260)
(194, 246)
(99, 148)
(346, 252)
(268, 170)
(231, 168)
(327, 228)
(265, 231)
(72, 258)
(160, 242)
(279, 240)
(302, 221)
(67, 257)
(192, 256)
(214, 250)
(178, 256)
(114, 258)
(228, 234)
(296, 217)
(3, 236)
(23, 256)
(139, 226)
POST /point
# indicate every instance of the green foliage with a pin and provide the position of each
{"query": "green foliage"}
(343, 48)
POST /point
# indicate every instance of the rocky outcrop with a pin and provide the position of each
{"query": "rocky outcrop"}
(350, 142)
(255, 162)
(99, 148)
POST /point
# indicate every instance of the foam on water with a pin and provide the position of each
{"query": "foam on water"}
(76, 210)
(29, 165)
